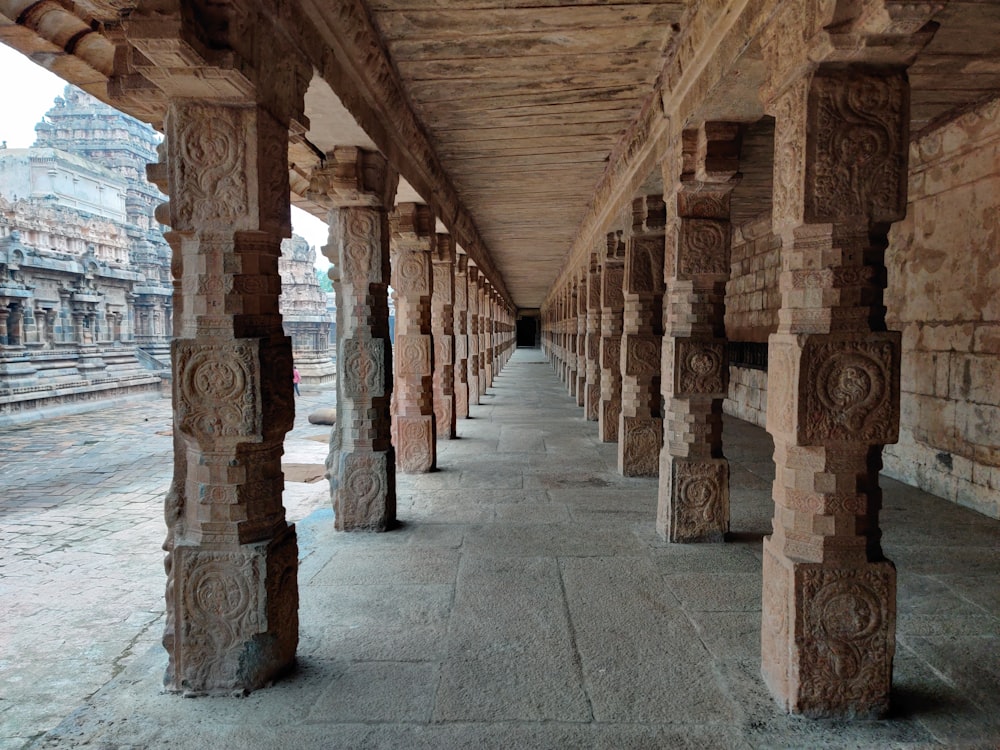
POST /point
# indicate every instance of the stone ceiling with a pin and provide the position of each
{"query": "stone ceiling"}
(523, 103)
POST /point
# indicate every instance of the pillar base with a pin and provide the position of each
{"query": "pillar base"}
(693, 500)
(828, 635)
(365, 498)
(235, 615)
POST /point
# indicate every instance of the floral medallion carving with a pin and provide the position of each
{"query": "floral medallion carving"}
(413, 355)
(642, 356)
(411, 275)
(847, 638)
(364, 498)
(700, 367)
(611, 356)
(857, 146)
(644, 261)
(851, 391)
(700, 499)
(641, 440)
(415, 452)
(220, 610)
(363, 368)
(361, 258)
(210, 159)
(704, 247)
(218, 389)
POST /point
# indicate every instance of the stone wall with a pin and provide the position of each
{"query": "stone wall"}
(943, 280)
(747, 399)
(752, 303)
(752, 298)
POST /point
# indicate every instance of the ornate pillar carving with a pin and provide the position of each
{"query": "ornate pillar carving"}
(694, 474)
(227, 539)
(640, 426)
(484, 333)
(612, 312)
(580, 351)
(592, 348)
(829, 601)
(413, 240)
(474, 319)
(358, 186)
(461, 336)
(443, 332)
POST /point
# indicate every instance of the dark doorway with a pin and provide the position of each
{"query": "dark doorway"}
(527, 332)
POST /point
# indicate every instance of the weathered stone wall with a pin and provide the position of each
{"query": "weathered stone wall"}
(752, 302)
(747, 398)
(944, 279)
(752, 297)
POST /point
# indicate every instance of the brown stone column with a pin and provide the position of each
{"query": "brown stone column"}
(484, 334)
(231, 598)
(581, 339)
(829, 594)
(640, 426)
(572, 315)
(359, 187)
(694, 474)
(474, 319)
(489, 313)
(413, 240)
(461, 337)
(592, 395)
(612, 312)
(443, 331)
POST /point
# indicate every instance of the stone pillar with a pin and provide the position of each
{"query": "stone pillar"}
(486, 333)
(4, 317)
(462, 336)
(829, 594)
(640, 426)
(592, 395)
(443, 331)
(483, 337)
(358, 186)
(473, 318)
(612, 311)
(694, 475)
(413, 241)
(232, 597)
(580, 351)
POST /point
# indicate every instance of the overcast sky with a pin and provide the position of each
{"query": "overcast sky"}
(27, 92)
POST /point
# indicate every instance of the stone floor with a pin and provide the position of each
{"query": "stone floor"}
(525, 602)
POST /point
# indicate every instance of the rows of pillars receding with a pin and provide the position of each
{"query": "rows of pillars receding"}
(829, 594)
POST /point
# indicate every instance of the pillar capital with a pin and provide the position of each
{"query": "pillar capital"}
(352, 176)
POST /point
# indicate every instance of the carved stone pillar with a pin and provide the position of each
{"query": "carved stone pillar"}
(592, 343)
(486, 333)
(4, 316)
(612, 312)
(694, 474)
(640, 426)
(829, 594)
(580, 351)
(359, 186)
(483, 337)
(443, 332)
(413, 241)
(232, 598)
(462, 336)
(474, 354)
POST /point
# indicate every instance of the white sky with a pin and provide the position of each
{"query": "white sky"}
(27, 92)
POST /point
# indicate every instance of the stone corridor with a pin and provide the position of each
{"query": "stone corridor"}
(525, 601)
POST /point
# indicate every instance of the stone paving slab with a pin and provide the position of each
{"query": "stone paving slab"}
(485, 620)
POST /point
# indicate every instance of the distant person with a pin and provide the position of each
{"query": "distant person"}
(296, 379)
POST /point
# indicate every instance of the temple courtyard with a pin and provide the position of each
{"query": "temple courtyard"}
(524, 601)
